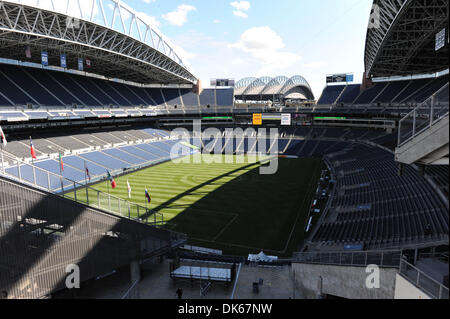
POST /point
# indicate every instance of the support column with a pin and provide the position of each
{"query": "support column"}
(135, 271)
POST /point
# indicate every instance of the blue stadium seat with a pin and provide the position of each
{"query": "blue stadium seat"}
(207, 97)
(330, 94)
(225, 97)
(105, 160)
(190, 99)
(123, 156)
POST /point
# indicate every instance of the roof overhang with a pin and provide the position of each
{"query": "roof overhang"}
(280, 86)
(402, 35)
(135, 52)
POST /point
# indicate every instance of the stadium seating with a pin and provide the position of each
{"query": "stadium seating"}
(350, 93)
(20, 86)
(378, 208)
(330, 94)
(224, 97)
(367, 96)
(372, 205)
(403, 92)
(172, 97)
(99, 151)
(190, 99)
(391, 91)
(207, 98)
(440, 175)
(432, 87)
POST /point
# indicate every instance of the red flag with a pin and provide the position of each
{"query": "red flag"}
(33, 153)
(3, 140)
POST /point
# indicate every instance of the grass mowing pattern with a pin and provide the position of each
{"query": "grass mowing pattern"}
(229, 206)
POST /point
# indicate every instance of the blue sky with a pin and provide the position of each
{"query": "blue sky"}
(236, 39)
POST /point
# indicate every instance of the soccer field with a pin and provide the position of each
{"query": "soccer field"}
(229, 206)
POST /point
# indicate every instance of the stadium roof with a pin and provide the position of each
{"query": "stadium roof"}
(401, 37)
(119, 42)
(280, 85)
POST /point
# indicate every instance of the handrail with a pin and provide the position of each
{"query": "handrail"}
(433, 114)
(423, 281)
(385, 258)
(132, 292)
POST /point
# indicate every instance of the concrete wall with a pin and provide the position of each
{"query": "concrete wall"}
(428, 147)
(342, 281)
(405, 290)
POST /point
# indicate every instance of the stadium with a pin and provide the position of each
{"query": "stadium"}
(122, 178)
(278, 89)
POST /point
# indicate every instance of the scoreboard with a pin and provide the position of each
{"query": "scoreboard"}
(222, 82)
(338, 78)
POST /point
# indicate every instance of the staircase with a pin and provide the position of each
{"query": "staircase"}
(424, 133)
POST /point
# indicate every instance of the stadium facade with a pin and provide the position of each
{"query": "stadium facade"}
(277, 89)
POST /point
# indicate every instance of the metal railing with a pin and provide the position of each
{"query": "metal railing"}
(424, 116)
(132, 292)
(354, 258)
(83, 193)
(423, 281)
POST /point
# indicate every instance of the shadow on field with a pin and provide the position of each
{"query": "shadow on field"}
(169, 203)
(249, 213)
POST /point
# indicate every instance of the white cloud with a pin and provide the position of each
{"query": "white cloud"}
(240, 14)
(148, 1)
(316, 64)
(241, 7)
(263, 44)
(216, 21)
(179, 16)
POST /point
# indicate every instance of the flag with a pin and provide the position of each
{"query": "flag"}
(33, 153)
(61, 164)
(147, 196)
(129, 189)
(44, 58)
(80, 64)
(63, 61)
(28, 52)
(3, 140)
(88, 63)
(87, 171)
(111, 179)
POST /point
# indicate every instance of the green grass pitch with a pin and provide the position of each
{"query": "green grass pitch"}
(229, 206)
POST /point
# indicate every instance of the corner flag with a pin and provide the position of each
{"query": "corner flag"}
(129, 189)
